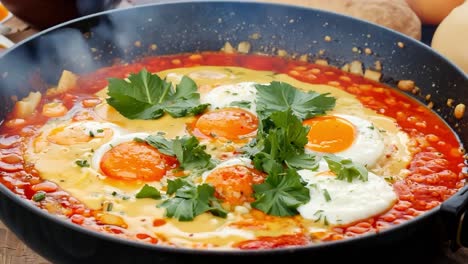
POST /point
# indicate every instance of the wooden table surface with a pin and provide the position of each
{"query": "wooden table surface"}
(13, 251)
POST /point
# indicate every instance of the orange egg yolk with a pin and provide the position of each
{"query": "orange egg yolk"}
(227, 123)
(330, 134)
(135, 161)
(233, 184)
(75, 135)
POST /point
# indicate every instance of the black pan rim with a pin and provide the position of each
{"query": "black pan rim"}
(225, 252)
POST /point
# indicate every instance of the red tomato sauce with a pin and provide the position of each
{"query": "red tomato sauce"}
(435, 170)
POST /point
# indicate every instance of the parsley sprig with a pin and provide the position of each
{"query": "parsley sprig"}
(279, 144)
(282, 138)
(282, 192)
(188, 151)
(190, 200)
(280, 96)
(146, 96)
(346, 169)
(278, 148)
(148, 191)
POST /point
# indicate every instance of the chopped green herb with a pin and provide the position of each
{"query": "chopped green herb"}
(100, 130)
(148, 192)
(326, 195)
(146, 96)
(39, 196)
(109, 207)
(91, 134)
(190, 200)
(139, 140)
(82, 163)
(280, 96)
(242, 104)
(114, 193)
(346, 169)
(318, 213)
(389, 179)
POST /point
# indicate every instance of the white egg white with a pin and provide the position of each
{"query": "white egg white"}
(339, 202)
(368, 146)
(230, 162)
(96, 129)
(223, 96)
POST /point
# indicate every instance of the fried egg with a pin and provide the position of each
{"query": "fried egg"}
(233, 180)
(83, 132)
(124, 158)
(346, 136)
(339, 202)
(241, 94)
(227, 163)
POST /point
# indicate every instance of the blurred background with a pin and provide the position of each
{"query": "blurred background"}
(419, 19)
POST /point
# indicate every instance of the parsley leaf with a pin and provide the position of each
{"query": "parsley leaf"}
(164, 145)
(148, 192)
(147, 96)
(303, 161)
(282, 139)
(188, 151)
(242, 104)
(82, 163)
(281, 193)
(280, 96)
(346, 169)
(190, 200)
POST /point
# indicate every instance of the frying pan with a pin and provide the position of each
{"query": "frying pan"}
(89, 43)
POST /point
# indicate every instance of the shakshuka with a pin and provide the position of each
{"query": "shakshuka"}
(228, 151)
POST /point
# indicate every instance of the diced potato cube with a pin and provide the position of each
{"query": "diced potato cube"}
(243, 47)
(228, 48)
(372, 75)
(356, 67)
(27, 105)
(66, 82)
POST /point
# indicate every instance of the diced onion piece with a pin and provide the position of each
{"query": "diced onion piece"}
(54, 109)
(282, 53)
(304, 57)
(459, 111)
(243, 47)
(378, 65)
(345, 67)
(406, 85)
(110, 219)
(321, 62)
(228, 48)
(27, 105)
(356, 67)
(372, 75)
(66, 82)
